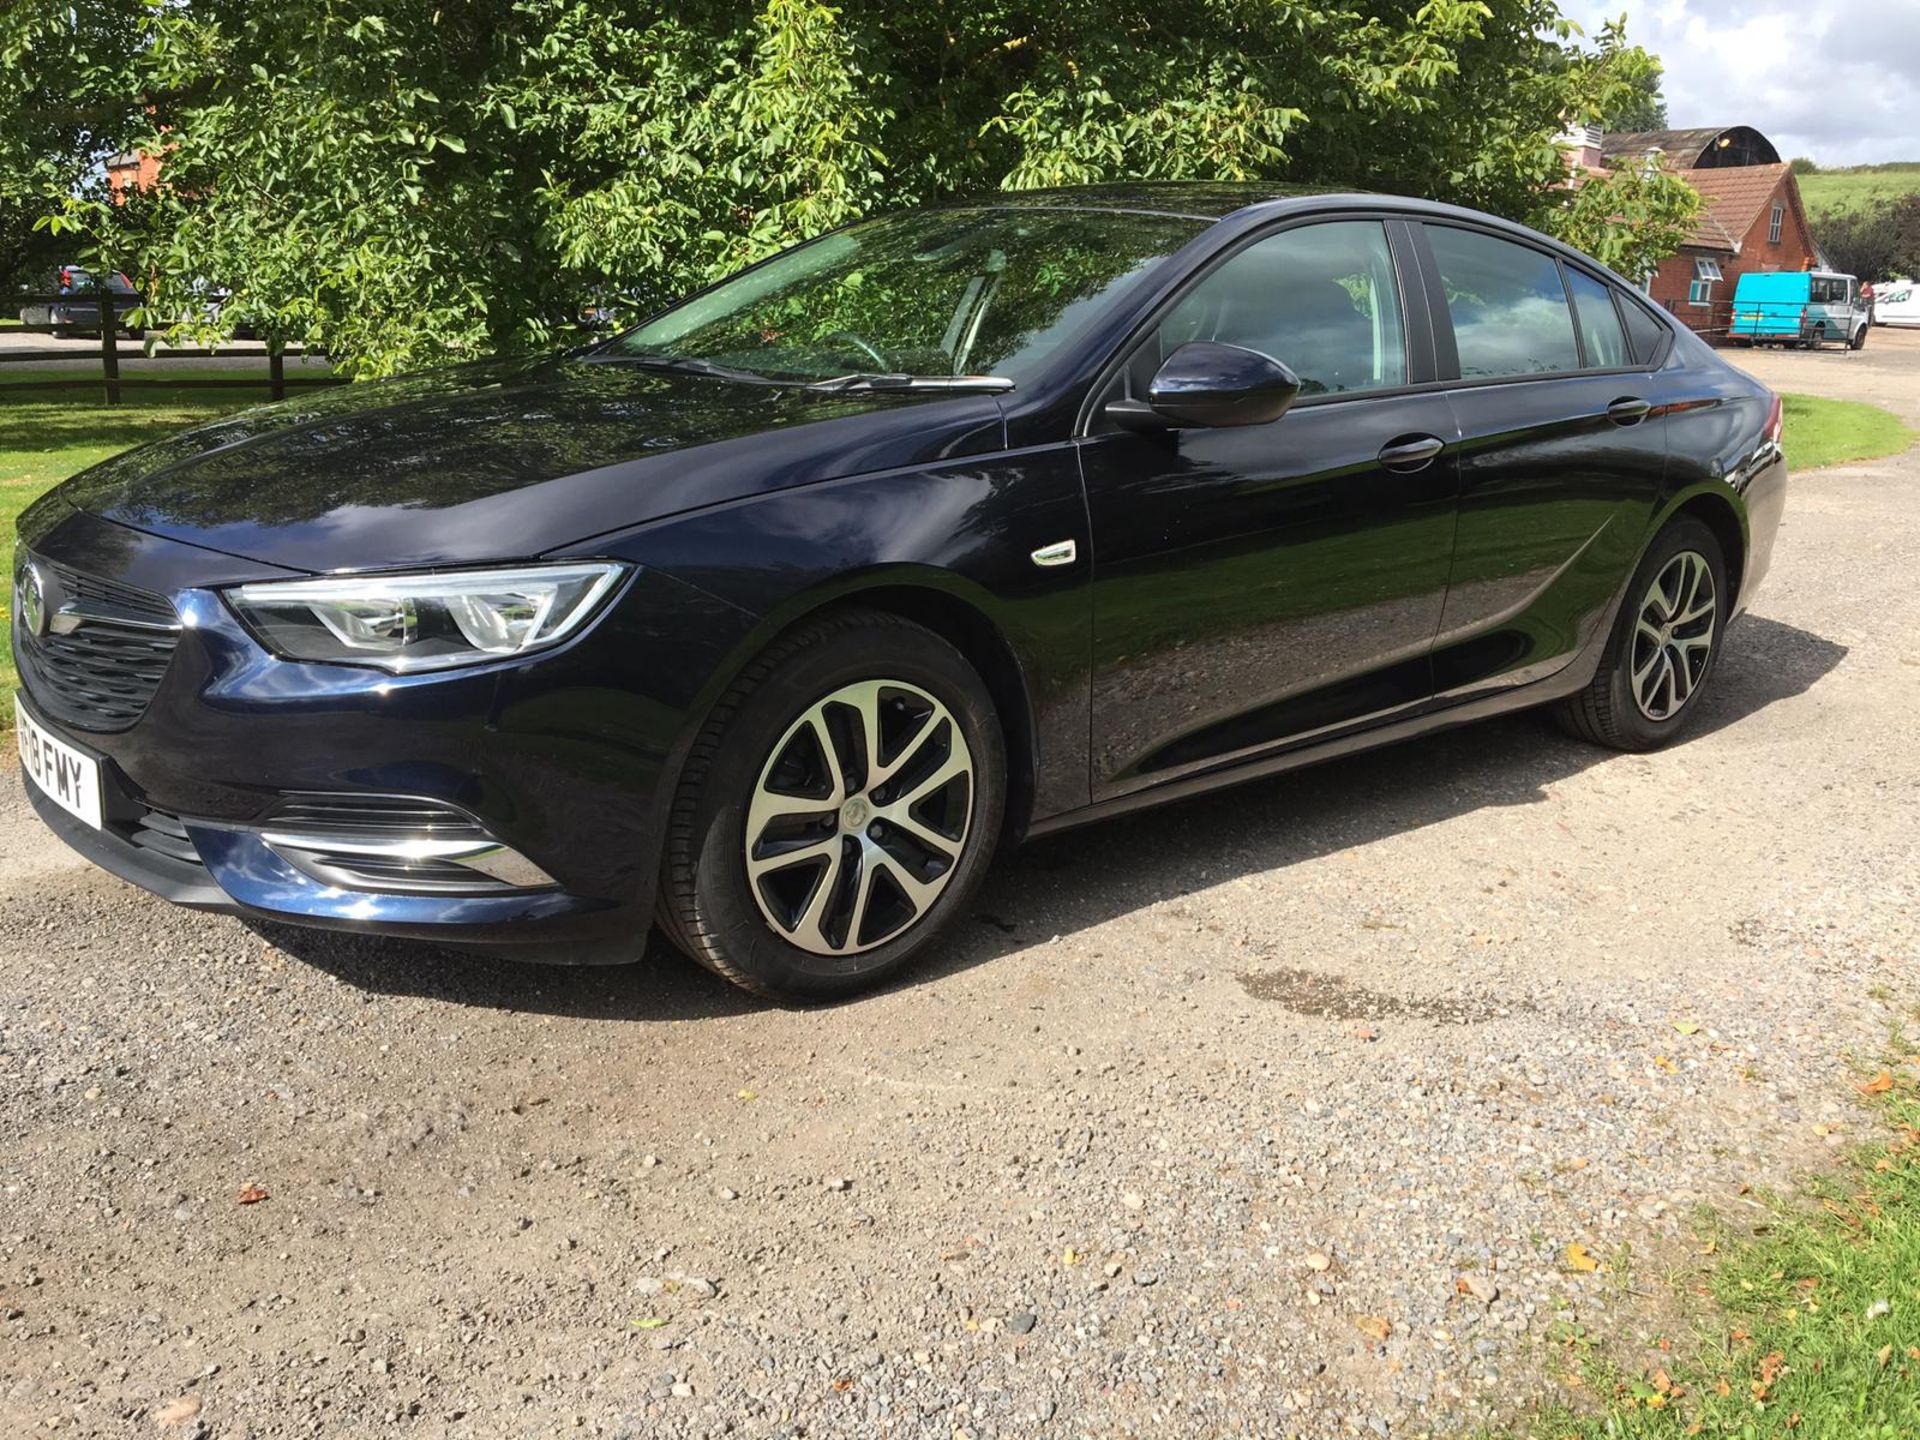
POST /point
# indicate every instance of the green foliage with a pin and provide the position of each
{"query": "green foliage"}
(404, 181)
(1878, 240)
(1631, 218)
(69, 97)
(1803, 165)
(1638, 103)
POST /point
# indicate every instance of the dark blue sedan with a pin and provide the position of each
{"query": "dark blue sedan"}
(770, 620)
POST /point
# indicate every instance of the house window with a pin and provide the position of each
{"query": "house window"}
(1706, 272)
(1774, 223)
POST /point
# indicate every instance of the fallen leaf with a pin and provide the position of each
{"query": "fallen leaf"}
(252, 1195)
(1068, 1256)
(1886, 1354)
(1374, 1326)
(743, 1094)
(1579, 1259)
(1687, 1027)
(652, 1322)
(844, 1383)
(178, 1412)
(1660, 1062)
(1879, 1085)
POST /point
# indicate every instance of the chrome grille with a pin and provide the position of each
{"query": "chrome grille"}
(101, 674)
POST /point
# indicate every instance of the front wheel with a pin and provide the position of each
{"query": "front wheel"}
(838, 810)
(1860, 338)
(1664, 644)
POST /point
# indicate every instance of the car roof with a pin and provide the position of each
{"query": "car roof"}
(1191, 199)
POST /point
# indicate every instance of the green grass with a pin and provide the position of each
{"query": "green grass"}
(1848, 189)
(1807, 1316)
(42, 441)
(1822, 432)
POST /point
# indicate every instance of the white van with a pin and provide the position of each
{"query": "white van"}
(1896, 302)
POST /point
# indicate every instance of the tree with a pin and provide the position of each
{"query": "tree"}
(404, 181)
(1879, 240)
(69, 74)
(1630, 218)
(1803, 165)
(1638, 103)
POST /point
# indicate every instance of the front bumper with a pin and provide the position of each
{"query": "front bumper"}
(561, 758)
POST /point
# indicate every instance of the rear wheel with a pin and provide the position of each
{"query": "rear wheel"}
(1663, 648)
(838, 810)
(1860, 338)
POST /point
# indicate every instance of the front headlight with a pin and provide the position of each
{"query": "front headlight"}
(405, 623)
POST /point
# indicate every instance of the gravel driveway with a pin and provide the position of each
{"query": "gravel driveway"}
(1272, 1113)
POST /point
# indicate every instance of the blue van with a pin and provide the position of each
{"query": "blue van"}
(1798, 307)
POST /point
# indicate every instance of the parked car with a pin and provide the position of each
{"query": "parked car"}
(1896, 302)
(69, 300)
(1798, 307)
(774, 617)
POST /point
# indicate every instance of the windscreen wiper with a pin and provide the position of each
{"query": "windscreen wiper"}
(840, 384)
(690, 365)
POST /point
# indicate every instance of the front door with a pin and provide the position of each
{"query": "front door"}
(1261, 584)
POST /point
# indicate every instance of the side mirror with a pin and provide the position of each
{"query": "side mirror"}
(1206, 383)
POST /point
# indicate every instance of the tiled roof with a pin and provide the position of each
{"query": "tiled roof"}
(1735, 197)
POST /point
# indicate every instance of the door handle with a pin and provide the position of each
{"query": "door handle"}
(1414, 453)
(1628, 411)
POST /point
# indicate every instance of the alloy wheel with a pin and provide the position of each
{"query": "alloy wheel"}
(1673, 636)
(859, 818)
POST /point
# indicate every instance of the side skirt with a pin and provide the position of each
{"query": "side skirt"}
(1559, 685)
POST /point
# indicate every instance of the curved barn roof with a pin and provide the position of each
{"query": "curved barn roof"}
(1706, 148)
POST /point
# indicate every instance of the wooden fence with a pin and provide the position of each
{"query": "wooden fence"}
(113, 383)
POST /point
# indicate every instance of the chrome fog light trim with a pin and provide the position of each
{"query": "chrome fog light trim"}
(419, 863)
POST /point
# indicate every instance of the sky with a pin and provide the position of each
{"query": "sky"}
(1835, 79)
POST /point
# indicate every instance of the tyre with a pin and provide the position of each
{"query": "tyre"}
(1663, 648)
(837, 811)
(1859, 341)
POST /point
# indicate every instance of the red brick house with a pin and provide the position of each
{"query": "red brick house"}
(1753, 220)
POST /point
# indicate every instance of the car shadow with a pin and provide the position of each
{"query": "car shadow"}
(1081, 878)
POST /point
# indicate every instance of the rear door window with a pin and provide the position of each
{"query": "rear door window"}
(1509, 309)
(1600, 328)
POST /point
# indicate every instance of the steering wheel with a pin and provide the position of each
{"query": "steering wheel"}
(866, 347)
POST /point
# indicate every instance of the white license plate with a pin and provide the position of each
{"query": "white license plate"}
(68, 778)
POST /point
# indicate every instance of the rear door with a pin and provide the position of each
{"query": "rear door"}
(1563, 449)
(1258, 584)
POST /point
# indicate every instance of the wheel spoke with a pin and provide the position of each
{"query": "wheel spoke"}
(1682, 680)
(763, 865)
(809, 929)
(954, 766)
(925, 834)
(862, 894)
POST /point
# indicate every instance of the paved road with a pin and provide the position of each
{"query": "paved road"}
(1197, 1109)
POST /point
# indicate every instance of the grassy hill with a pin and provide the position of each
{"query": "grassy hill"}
(1836, 189)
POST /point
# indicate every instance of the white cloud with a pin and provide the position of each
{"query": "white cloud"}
(1835, 79)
